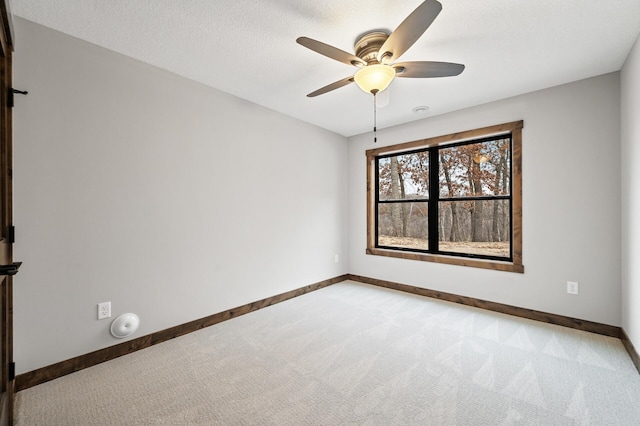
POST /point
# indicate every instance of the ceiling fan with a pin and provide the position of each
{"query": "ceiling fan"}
(376, 51)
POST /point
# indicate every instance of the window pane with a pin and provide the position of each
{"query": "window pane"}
(477, 169)
(475, 227)
(404, 176)
(403, 225)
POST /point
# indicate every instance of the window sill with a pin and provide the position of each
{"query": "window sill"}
(450, 260)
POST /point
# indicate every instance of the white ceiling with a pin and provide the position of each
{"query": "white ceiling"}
(248, 48)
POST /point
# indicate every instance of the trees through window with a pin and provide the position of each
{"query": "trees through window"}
(451, 199)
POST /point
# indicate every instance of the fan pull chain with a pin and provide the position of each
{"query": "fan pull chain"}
(375, 116)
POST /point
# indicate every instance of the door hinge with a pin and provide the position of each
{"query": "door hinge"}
(12, 371)
(11, 92)
(10, 269)
(11, 234)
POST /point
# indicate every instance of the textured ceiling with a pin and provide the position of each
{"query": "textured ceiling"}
(248, 48)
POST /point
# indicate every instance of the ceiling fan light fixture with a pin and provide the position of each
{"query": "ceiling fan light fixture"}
(374, 78)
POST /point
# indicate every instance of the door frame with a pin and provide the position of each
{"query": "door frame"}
(7, 375)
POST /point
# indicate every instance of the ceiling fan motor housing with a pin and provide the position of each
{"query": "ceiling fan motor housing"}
(368, 45)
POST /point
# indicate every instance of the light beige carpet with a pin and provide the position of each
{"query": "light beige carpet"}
(354, 354)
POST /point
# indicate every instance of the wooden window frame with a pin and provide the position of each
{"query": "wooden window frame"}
(515, 264)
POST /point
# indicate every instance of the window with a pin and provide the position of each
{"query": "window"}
(453, 199)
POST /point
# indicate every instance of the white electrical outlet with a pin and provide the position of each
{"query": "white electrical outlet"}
(572, 287)
(336, 258)
(104, 310)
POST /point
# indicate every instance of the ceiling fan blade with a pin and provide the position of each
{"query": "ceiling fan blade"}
(409, 31)
(333, 86)
(427, 69)
(330, 51)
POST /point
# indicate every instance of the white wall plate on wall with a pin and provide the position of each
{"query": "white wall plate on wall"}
(124, 325)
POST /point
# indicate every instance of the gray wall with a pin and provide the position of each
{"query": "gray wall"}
(174, 201)
(630, 182)
(170, 199)
(571, 203)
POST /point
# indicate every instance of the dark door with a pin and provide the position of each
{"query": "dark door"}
(6, 217)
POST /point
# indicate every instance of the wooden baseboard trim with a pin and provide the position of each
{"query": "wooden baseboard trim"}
(635, 358)
(54, 371)
(593, 327)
